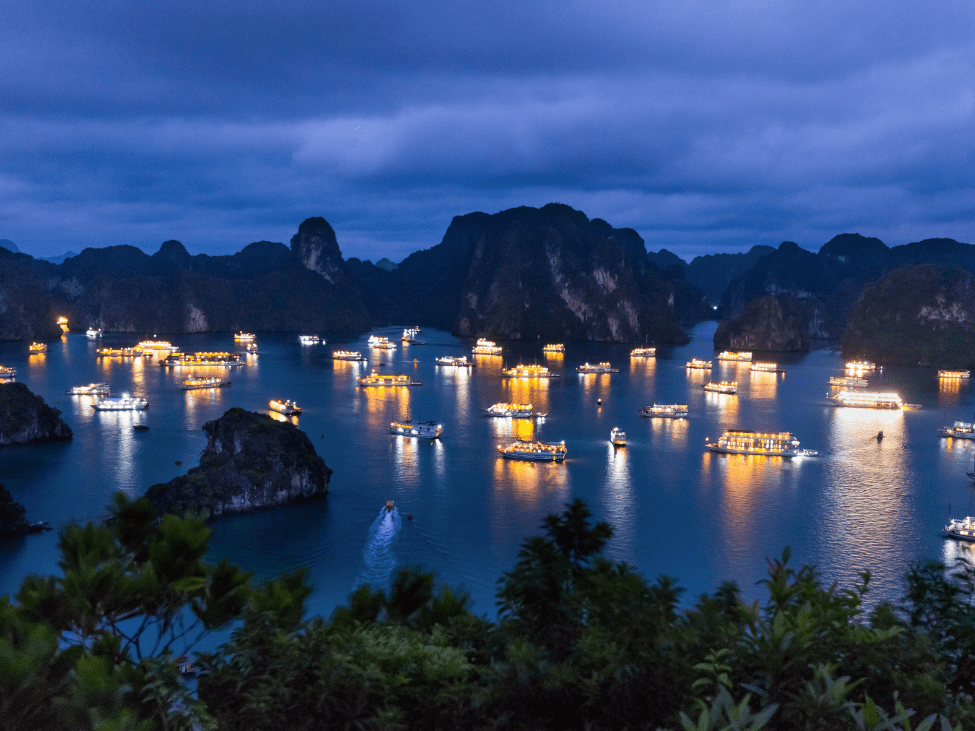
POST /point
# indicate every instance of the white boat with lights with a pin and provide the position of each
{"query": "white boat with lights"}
(422, 429)
(380, 380)
(618, 437)
(157, 345)
(486, 347)
(762, 367)
(120, 403)
(347, 355)
(457, 361)
(37, 348)
(92, 389)
(192, 384)
(93, 332)
(665, 411)
(209, 359)
(309, 340)
(781, 444)
(512, 411)
(288, 408)
(698, 364)
(597, 368)
(867, 400)
(728, 355)
(122, 353)
(251, 349)
(244, 337)
(409, 336)
(848, 382)
(381, 342)
(954, 374)
(643, 353)
(534, 451)
(963, 530)
(7, 372)
(959, 430)
(860, 365)
(529, 371)
(554, 348)
(725, 387)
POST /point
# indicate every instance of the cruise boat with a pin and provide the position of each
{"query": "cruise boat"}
(288, 408)
(92, 389)
(423, 429)
(380, 342)
(781, 444)
(214, 359)
(512, 411)
(486, 347)
(867, 400)
(534, 451)
(665, 411)
(597, 368)
(347, 355)
(732, 356)
(767, 367)
(375, 379)
(194, 383)
(848, 381)
(643, 352)
(7, 372)
(554, 348)
(93, 332)
(120, 403)
(726, 387)
(122, 353)
(959, 430)
(251, 349)
(698, 364)
(157, 345)
(860, 365)
(529, 371)
(963, 530)
(37, 348)
(409, 336)
(309, 339)
(244, 337)
(954, 374)
(458, 361)
(618, 437)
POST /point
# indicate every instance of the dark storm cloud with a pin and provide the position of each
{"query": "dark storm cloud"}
(701, 125)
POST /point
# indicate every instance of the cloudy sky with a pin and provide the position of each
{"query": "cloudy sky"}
(705, 126)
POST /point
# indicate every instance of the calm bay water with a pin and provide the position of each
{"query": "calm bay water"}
(677, 509)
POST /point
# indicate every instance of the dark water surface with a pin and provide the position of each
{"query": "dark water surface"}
(677, 509)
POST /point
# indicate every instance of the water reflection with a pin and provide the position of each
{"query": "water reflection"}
(283, 418)
(120, 445)
(725, 404)
(406, 463)
(554, 360)
(670, 429)
(643, 366)
(528, 482)
(36, 360)
(619, 502)
(950, 391)
(200, 399)
(595, 385)
(763, 385)
(506, 429)
(489, 364)
(384, 403)
(526, 391)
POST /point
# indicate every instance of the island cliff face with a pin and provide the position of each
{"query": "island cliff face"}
(26, 419)
(250, 462)
(13, 518)
(772, 323)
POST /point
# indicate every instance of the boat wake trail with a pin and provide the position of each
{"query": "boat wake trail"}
(378, 557)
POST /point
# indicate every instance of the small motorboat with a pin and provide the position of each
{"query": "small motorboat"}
(390, 505)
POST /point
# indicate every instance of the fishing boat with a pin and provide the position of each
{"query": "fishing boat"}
(125, 402)
(512, 411)
(192, 384)
(665, 411)
(698, 364)
(457, 361)
(597, 368)
(781, 444)
(7, 372)
(733, 356)
(529, 371)
(381, 380)
(963, 530)
(93, 332)
(954, 374)
(309, 339)
(219, 359)
(244, 337)
(959, 430)
(554, 348)
(762, 367)
(866, 400)
(848, 382)
(422, 429)
(618, 437)
(347, 355)
(37, 348)
(534, 451)
(725, 387)
(643, 352)
(92, 389)
(486, 347)
(288, 408)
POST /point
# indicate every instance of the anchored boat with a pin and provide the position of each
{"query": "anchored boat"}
(422, 429)
(529, 371)
(554, 348)
(698, 364)
(781, 444)
(534, 451)
(963, 530)
(665, 411)
(867, 400)
(960, 430)
(725, 387)
(347, 355)
(486, 347)
(512, 411)
(618, 437)
(120, 403)
(288, 408)
(597, 368)
(457, 361)
(731, 356)
(92, 389)
(643, 352)
(375, 379)
(191, 384)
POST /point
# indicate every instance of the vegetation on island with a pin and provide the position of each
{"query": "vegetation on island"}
(581, 642)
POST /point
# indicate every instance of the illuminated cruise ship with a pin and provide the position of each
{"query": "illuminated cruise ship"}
(767, 367)
(512, 411)
(534, 451)
(728, 355)
(486, 347)
(643, 352)
(288, 408)
(375, 379)
(221, 359)
(698, 364)
(347, 355)
(867, 400)
(457, 361)
(848, 381)
(92, 389)
(781, 444)
(422, 429)
(37, 348)
(954, 374)
(157, 345)
(597, 368)
(665, 411)
(191, 384)
(244, 337)
(309, 339)
(554, 348)
(381, 342)
(529, 371)
(7, 372)
(121, 403)
(726, 387)
(963, 530)
(122, 353)
(959, 430)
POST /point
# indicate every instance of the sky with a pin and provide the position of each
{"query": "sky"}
(705, 126)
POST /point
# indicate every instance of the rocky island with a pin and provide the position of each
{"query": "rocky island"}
(250, 462)
(13, 518)
(26, 419)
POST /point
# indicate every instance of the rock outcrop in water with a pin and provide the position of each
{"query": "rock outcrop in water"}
(13, 518)
(26, 419)
(250, 462)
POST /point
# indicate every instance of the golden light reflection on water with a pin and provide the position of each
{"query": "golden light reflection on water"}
(742, 477)
(724, 404)
(282, 418)
(526, 391)
(384, 404)
(762, 385)
(950, 391)
(865, 485)
(405, 458)
(698, 376)
(643, 366)
(36, 360)
(595, 385)
(121, 445)
(507, 429)
(618, 496)
(489, 364)
(671, 429)
(528, 482)
(554, 360)
(458, 379)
